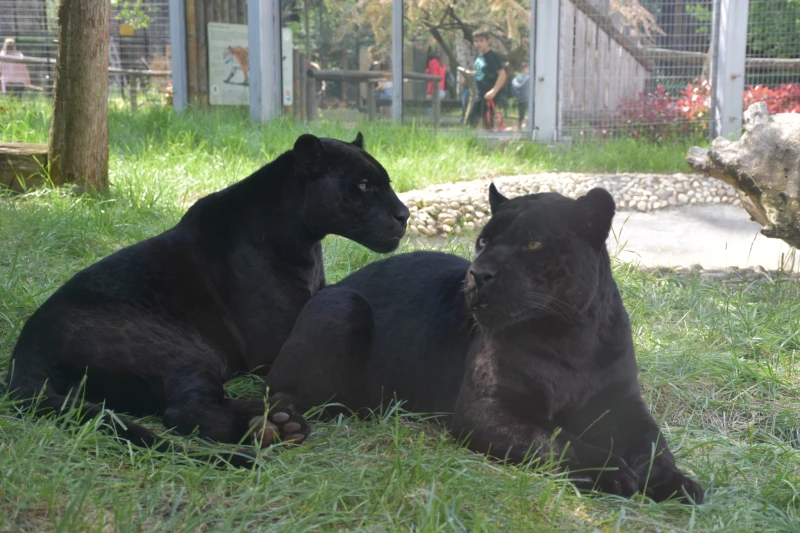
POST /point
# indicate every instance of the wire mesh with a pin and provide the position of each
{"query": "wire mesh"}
(354, 41)
(439, 39)
(772, 64)
(635, 67)
(138, 40)
(626, 67)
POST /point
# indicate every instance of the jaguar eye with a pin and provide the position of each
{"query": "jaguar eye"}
(364, 185)
(482, 242)
(534, 245)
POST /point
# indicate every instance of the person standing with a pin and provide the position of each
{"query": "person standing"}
(521, 88)
(436, 68)
(490, 76)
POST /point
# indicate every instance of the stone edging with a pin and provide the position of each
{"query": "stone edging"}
(754, 273)
(455, 207)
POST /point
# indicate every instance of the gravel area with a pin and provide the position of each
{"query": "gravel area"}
(441, 210)
(729, 274)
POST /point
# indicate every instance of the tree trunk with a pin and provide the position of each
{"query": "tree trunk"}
(78, 142)
(763, 166)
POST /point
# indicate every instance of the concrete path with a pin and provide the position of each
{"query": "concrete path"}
(714, 236)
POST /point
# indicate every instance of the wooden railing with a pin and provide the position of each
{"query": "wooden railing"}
(28, 60)
(133, 87)
(368, 77)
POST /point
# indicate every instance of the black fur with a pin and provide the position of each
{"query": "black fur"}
(158, 327)
(529, 347)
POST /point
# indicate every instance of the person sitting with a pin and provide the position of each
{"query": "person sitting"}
(14, 77)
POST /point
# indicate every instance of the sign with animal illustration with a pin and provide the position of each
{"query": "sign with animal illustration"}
(228, 67)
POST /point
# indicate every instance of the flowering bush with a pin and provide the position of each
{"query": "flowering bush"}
(656, 115)
(695, 100)
(782, 99)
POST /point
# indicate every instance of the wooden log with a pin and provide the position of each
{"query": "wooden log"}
(763, 166)
(22, 166)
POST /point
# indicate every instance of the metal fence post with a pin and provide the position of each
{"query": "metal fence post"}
(371, 100)
(264, 42)
(177, 41)
(531, 63)
(437, 105)
(545, 71)
(728, 83)
(397, 60)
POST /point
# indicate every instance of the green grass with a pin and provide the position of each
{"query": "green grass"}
(198, 151)
(719, 368)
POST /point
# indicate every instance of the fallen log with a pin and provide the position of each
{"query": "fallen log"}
(763, 166)
(22, 165)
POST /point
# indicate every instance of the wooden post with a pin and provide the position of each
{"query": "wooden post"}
(133, 92)
(297, 85)
(545, 76)
(202, 53)
(191, 50)
(311, 95)
(371, 108)
(302, 93)
(728, 84)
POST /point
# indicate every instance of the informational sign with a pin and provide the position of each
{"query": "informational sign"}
(228, 65)
(287, 62)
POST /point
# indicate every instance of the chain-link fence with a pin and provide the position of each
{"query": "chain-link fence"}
(345, 47)
(634, 68)
(772, 66)
(139, 44)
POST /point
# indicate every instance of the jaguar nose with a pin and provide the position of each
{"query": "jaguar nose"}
(482, 277)
(401, 216)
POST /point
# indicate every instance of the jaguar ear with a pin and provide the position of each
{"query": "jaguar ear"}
(307, 153)
(495, 198)
(359, 141)
(592, 216)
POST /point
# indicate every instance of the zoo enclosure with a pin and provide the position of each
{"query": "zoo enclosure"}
(139, 46)
(664, 69)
